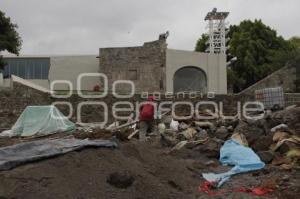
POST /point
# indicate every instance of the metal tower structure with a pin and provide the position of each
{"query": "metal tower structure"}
(217, 31)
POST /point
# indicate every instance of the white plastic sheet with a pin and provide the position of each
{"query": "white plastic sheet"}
(39, 120)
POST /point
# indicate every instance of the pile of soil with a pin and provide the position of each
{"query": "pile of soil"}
(134, 170)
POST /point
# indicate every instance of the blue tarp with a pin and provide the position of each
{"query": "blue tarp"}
(242, 158)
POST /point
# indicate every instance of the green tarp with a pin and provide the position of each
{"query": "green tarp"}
(40, 120)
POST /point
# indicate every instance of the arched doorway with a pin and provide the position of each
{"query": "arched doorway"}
(190, 78)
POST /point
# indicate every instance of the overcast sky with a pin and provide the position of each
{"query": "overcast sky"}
(83, 26)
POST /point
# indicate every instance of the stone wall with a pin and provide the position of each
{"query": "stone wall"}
(14, 101)
(298, 77)
(144, 65)
(285, 78)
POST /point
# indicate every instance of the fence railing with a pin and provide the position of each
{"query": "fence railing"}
(292, 98)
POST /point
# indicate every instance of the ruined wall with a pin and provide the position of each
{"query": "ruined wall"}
(298, 77)
(14, 101)
(285, 78)
(144, 65)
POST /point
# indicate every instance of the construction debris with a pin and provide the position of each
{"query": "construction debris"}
(250, 144)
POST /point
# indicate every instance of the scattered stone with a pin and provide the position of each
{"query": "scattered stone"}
(188, 134)
(222, 133)
(183, 126)
(280, 127)
(233, 123)
(280, 135)
(230, 128)
(179, 145)
(193, 144)
(266, 156)
(201, 135)
(294, 154)
(124, 133)
(279, 160)
(286, 147)
(120, 180)
(252, 131)
(289, 117)
(286, 166)
(167, 119)
(168, 141)
(285, 178)
(239, 137)
(209, 125)
(262, 144)
(211, 148)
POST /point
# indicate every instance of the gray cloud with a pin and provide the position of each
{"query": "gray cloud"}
(83, 26)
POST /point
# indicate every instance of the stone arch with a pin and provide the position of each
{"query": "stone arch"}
(190, 78)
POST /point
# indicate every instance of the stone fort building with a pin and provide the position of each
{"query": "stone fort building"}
(155, 68)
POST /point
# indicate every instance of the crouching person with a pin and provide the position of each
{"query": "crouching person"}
(147, 122)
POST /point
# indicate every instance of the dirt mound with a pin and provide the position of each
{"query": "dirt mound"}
(84, 174)
(134, 170)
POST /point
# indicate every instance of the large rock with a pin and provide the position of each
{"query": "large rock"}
(222, 133)
(206, 125)
(280, 135)
(211, 148)
(120, 179)
(286, 147)
(291, 117)
(187, 134)
(167, 140)
(240, 138)
(252, 131)
(263, 143)
(266, 156)
(201, 135)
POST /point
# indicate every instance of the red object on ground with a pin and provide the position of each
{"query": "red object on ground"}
(206, 187)
(261, 191)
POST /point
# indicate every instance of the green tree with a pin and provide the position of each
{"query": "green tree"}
(9, 37)
(202, 43)
(295, 41)
(259, 51)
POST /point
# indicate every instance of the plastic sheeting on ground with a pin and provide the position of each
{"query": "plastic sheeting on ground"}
(15, 155)
(39, 120)
(233, 153)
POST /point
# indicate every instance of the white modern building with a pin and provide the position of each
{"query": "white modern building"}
(185, 71)
(43, 70)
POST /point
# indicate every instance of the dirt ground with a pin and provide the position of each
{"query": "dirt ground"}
(154, 174)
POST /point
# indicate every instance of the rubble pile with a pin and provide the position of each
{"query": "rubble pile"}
(182, 159)
(275, 138)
